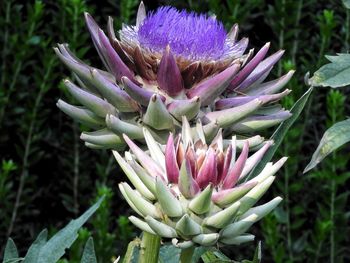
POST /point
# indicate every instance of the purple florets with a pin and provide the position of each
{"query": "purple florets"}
(191, 35)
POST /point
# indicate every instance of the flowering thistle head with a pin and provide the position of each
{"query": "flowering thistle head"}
(191, 36)
(169, 65)
(194, 193)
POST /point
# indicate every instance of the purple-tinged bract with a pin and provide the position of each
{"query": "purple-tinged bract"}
(172, 64)
(196, 193)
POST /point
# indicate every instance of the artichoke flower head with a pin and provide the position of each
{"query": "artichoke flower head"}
(172, 64)
(194, 193)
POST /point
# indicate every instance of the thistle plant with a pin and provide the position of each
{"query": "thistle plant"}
(172, 64)
(195, 193)
(182, 74)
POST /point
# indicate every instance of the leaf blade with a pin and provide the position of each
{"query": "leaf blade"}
(281, 131)
(89, 252)
(346, 3)
(34, 250)
(332, 139)
(10, 250)
(335, 74)
(54, 249)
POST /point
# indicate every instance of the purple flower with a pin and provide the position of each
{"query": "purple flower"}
(188, 34)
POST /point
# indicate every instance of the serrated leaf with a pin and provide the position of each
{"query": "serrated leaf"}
(54, 249)
(335, 74)
(281, 131)
(333, 138)
(34, 250)
(89, 252)
(169, 254)
(10, 251)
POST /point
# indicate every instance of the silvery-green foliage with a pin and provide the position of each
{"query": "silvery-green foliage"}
(44, 250)
(335, 74)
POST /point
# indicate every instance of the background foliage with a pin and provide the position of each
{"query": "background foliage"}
(47, 176)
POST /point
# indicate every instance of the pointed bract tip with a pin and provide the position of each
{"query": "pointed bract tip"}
(282, 160)
(278, 199)
(285, 158)
(280, 52)
(59, 103)
(291, 72)
(196, 99)
(245, 39)
(154, 97)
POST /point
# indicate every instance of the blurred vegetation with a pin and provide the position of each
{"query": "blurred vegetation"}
(47, 176)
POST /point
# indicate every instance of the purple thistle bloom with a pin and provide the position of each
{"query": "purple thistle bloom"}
(188, 34)
(170, 64)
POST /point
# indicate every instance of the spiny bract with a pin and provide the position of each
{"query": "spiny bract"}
(172, 64)
(194, 193)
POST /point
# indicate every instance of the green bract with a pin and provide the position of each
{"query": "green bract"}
(194, 193)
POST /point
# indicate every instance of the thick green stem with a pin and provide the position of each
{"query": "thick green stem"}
(186, 255)
(150, 245)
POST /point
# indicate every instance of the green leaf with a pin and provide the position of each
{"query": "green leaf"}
(257, 255)
(10, 251)
(169, 254)
(34, 250)
(54, 249)
(333, 138)
(281, 131)
(335, 74)
(198, 252)
(133, 252)
(346, 3)
(89, 252)
(215, 256)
